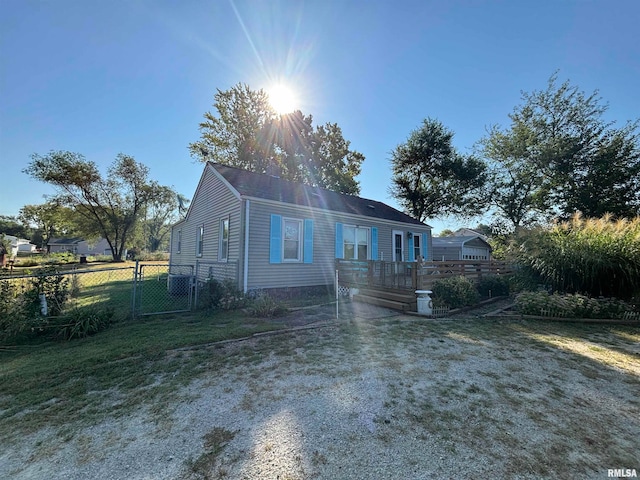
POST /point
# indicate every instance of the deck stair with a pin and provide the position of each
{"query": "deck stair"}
(403, 300)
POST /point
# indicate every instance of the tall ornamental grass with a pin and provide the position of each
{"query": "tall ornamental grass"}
(597, 257)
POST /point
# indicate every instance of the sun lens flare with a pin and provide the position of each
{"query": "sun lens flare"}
(283, 99)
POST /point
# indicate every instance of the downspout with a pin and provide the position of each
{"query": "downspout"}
(245, 263)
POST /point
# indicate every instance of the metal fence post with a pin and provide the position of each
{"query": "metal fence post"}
(196, 293)
(133, 293)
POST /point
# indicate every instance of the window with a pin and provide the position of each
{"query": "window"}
(417, 252)
(398, 246)
(179, 241)
(355, 243)
(292, 239)
(200, 241)
(223, 248)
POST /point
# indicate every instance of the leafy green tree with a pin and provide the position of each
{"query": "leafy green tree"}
(516, 183)
(160, 213)
(246, 132)
(109, 206)
(560, 156)
(238, 135)
(50, 220)
(431, 179)
(10, 225)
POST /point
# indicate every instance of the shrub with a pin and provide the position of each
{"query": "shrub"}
(493, 286)
(267, 306)
(22, 314)
(82, 322)
(455, 292)
(570, 305)
(220, 295)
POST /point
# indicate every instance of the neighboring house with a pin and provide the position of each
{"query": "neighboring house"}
(20, 245)
(78, 246)
(461, 248)
(470, 232)
(265, 232)
(63, 245)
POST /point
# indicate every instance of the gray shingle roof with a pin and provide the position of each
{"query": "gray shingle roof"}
(456, 241)
(64, 241)
(269, 187)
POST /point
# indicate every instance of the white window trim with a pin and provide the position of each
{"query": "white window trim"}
(419, 253)
(179, 245)
(200, 240)
(225, 258)
(355, 245)
(300, 223)
(393, 245)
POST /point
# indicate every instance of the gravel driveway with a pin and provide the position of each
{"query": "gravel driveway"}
(382, 396)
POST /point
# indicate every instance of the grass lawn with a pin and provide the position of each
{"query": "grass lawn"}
(55, 382)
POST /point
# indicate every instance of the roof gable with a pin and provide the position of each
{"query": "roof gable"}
(459, 241)
(268, 187)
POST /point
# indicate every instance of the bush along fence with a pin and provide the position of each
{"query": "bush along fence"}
(63, 304)
(575, 306)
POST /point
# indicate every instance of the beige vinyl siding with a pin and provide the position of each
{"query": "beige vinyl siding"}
(263, 274)
(213, 201)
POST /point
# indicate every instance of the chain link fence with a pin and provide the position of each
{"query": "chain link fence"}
(162, 288)
(129, 291)
(206, 271)
(100, 288)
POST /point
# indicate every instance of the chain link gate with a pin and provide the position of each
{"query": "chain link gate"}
(162, 288)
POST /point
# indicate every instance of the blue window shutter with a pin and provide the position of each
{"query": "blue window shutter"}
(275, 240)
(374, 243)
(412, 253)
(339, 252)
(424, 247)
(308, 241)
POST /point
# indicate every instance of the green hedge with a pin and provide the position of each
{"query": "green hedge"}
(570, 305)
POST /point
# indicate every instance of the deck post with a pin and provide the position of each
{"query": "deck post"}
(414, 276)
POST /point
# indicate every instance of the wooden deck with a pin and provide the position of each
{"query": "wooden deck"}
(413, 275)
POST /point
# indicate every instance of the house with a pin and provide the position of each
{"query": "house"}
(265, 232)
(457, 247)
(20, 245)
(78, 246)
(470, 232)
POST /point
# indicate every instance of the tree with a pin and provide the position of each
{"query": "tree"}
(11, 226)
(431, 179)
(50, 219)
(247, 133)
(516, 183)
(560, 156)
(109, 206)
(159, 213)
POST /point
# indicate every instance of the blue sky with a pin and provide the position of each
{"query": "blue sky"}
(104, 77)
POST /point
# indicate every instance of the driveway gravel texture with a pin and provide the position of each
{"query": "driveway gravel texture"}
(375, 395)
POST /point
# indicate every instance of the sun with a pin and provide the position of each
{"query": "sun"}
(282, 98)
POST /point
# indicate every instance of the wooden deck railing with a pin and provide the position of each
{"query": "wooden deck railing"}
(413, 275)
